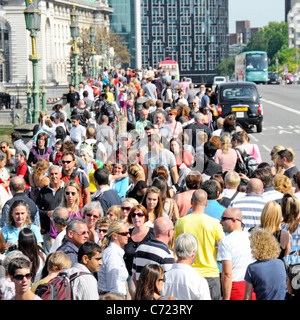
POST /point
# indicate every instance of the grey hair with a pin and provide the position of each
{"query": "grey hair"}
(198, 117)
(72, 225)
(53, 167)
(93, 205)
(11, 256)
(185, 245)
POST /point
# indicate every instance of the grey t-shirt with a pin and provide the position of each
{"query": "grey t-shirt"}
(165, 158)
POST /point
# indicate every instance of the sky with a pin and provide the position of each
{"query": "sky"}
(259, 12)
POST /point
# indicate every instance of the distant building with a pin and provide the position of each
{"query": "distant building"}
(294, 26)
(243, 33)
(192, 32)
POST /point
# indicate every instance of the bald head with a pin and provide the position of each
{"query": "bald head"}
(199, 198)
(17, 184)
(232, 220)
(162, 225)
(255, 186)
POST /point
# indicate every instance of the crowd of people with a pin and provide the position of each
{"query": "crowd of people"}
(139, 192)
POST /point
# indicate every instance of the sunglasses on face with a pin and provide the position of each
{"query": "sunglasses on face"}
(124, 234)
(126, 208)
(20, 277)
(163, 279)
(92, 215)
(70, 193)
(101, 230)
(64, 161)
(139, 214)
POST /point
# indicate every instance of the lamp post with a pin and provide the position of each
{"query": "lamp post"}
(93, 40)
(33, 22)
(75, 34)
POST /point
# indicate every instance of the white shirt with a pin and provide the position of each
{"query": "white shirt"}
(58, 241)
(112, 275)
(77, 134)
(85, 286)
(236, 248)
(183, 282)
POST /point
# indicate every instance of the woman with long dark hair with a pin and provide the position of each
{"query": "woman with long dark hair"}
(150, 283)
(28, 245)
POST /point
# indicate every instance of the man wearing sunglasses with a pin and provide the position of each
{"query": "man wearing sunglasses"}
(19, 270)
(76, 234)
(235, 254)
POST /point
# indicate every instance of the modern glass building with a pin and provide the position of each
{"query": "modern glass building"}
(122, 20)
(192, 32)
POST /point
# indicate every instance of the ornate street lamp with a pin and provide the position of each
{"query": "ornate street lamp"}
(33, 23)
(93, 53)
(74, 27)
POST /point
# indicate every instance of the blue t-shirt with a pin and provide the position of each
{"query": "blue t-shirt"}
(268, 279)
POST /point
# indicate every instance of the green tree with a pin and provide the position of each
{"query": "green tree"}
(287, 56)
(226, 67)
(104, 40)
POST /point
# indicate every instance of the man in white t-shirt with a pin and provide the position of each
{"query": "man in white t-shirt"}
(77, 133)
(234, 252)
(183, 282)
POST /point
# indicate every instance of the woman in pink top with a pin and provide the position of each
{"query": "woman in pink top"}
(226, 156)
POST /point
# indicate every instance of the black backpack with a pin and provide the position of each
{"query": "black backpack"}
(108, 110)
(245, 163)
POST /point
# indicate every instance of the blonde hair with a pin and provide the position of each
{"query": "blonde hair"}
(290, 211)
(282, 184)
(116, 211)
(271, 216)
(201, 137)
(264, 245)
(74, 184)
(225, 143)
(113, 227)
(232, 179)
(58, 260)
(40, 169)
(135, 171)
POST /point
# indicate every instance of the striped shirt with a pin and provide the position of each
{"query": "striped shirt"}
(154, 252)
(251, 206)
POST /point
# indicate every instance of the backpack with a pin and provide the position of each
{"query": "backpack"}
(245, 163)
(58, 288)
(108, 110)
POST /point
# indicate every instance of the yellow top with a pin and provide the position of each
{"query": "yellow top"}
(208, 232)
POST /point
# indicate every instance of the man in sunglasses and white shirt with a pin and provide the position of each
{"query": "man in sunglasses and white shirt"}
(235, 254)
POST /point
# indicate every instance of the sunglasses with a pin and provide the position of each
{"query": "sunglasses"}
(101, 230)
(139, 214)
(92, 215)
(229, 218)
(64, 161)
(126, 208)
(163, 279)
(72, 193)
(124, 234)
(20, 277)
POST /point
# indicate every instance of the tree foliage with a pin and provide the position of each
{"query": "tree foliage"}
(104, 40)
(226, 67)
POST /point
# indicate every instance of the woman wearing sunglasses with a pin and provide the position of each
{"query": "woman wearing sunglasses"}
(112, 275)
(140, 233)
(19, 270)
(70, 200)
(91, 213)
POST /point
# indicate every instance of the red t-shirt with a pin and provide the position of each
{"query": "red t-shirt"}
(22, 170)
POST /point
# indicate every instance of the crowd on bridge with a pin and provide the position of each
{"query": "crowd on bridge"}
(139, 191)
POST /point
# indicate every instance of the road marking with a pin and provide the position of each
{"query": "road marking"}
(281, 106)
(252, 137)
(268, 149)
